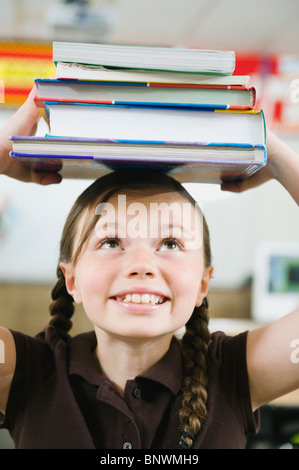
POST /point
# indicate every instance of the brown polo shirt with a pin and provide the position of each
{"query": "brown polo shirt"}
(59, 399)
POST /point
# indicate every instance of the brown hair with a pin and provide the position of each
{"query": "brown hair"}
(196, 338)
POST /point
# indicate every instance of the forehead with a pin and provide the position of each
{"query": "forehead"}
(169, 204)
(146, 213)
(135, 200)
(149, 215)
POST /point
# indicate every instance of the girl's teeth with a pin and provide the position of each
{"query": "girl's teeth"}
(145, 299)
(136, 298)
(141, 298)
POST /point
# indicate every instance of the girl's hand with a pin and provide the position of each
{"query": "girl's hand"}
(23, 122)
(282, 165)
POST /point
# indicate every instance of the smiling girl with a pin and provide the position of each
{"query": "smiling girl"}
(130, 383)
(136, 290)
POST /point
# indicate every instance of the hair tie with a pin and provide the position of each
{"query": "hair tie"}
(182, 443)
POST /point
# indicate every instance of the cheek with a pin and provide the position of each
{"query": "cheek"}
(187, 279)
(91, 282)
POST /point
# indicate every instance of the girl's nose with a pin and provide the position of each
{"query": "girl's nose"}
(139, 271)
(140, 264)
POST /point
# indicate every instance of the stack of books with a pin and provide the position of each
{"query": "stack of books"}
(179, 110)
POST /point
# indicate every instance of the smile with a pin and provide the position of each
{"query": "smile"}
(141, 299)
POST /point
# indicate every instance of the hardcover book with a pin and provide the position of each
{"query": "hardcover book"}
(175, 124)
(123, 93)
(92, 158)
(173, 59)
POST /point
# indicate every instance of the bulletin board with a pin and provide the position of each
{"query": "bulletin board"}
(20, 63)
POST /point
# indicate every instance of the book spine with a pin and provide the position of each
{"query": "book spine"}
(253, 91)
(264, 123)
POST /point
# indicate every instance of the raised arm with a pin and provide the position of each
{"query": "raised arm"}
(23, 122)
(273, 350)
(273, 359)
(7, 365)
(283, 165)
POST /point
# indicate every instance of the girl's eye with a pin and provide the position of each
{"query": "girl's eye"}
(170, 244)
(110, 244)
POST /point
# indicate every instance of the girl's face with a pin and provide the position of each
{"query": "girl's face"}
(140, 275)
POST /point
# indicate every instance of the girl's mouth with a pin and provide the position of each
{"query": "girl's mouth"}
(141, 298)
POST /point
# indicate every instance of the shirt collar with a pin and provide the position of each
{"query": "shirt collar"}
(81, 358)
(82, 362)
(169, 370)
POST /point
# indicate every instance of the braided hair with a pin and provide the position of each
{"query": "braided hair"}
(62, 307)
(196, 338)
(194, 397)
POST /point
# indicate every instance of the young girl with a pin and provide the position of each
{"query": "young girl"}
(130, 383)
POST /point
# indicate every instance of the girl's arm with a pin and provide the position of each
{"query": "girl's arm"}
(273, 350)
(283, 165)
(7, 365)
(23, 122)
(273, 359)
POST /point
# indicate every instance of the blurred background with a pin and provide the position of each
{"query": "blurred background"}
(248, 231)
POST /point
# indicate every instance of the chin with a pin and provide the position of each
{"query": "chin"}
(141, 333)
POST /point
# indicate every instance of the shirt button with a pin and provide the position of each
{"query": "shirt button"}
(127, 445)
(137, 393)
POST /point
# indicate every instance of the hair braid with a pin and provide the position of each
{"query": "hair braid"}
(195, 345)
(62, 307)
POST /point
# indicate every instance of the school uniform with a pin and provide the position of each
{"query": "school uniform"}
(60, 400)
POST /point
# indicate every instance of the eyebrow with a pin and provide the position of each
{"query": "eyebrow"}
(121, 225)
(174, 227)
(156, 231)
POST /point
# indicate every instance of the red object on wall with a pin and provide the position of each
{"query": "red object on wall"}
(250, 64)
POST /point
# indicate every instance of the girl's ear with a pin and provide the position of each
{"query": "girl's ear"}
(204, 286)
(70, 281)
